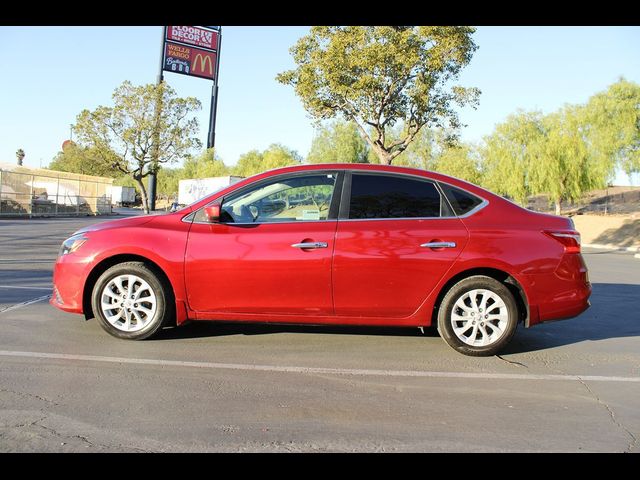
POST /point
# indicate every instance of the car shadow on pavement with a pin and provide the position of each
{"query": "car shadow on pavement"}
(613, 314)
(198, 329)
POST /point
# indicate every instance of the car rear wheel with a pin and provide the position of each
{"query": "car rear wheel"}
(130, 301)
(478, 316)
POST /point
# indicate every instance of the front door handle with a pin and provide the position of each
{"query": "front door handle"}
(439, 245)
(305, 245)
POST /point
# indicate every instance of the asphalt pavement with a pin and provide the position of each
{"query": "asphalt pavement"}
(67, 386)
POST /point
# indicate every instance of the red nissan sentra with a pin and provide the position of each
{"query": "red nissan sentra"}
(336, 244)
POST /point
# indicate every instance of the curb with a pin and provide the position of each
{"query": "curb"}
(611, 247)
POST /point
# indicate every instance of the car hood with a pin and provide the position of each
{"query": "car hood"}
(120, 223)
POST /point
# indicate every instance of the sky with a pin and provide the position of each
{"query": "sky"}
(50, 74)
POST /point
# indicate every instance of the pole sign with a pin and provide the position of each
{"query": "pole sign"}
(196, 36)
(189, 61)
(191, 51)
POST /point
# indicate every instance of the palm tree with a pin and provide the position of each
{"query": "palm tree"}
(20, 155)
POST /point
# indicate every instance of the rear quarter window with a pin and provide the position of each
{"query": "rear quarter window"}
(461, 201)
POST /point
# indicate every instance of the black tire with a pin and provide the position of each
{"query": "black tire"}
(163, 300)
(478, 334)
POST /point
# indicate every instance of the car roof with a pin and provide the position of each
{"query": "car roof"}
(373, 167)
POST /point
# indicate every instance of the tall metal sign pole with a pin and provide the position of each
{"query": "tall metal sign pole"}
(151, 184)
(192, 51)
(211, 138)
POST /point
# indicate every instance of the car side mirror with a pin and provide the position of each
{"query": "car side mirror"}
(212, 213)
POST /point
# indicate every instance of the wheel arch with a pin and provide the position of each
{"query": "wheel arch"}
(503, 277)
(109, 262)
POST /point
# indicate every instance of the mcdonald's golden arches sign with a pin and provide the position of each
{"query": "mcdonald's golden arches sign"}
(191, 51)
(189, 61)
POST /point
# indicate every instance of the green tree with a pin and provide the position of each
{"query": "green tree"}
(275, 156)
(506, 155)
(378, 76)
(338, 142)
(248, 164)
(420, 153)
(561, 164)
(168, 181)
(460, 161)
(84, 160)
(126, 135)
(278, 155)
(612, 128)
(205, 165)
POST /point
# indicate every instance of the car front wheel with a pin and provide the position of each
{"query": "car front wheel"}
(478, 316)
(130, 301)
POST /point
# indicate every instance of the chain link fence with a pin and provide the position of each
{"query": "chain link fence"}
(40, 192)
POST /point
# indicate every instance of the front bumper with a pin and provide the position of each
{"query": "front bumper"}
(69, 276)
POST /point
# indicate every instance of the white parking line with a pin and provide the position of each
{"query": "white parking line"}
(24, 304)
(315, 370)
(26, 288)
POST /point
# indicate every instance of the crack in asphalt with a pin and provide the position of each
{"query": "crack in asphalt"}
(631, 445)
(634, 441)
(57, 434)
(512, 362)
(31, 395)
(85, 439)
(29, 424)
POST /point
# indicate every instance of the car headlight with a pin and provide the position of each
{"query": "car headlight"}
(72, 244)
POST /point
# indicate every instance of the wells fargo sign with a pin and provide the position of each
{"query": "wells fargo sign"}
(189, 61)
(196, 36)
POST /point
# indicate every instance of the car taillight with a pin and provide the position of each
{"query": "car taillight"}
(569, 239)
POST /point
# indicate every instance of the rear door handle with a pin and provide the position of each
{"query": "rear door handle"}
(439, 245)
(310, 245)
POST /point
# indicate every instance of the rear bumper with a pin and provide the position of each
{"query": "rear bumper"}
(563, 294)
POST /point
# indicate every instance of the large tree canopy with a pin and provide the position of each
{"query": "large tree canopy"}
(145, 121)
(377, 76)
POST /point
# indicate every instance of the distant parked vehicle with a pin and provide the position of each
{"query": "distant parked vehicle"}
(123, 196)
(193, 189)
(363, 245)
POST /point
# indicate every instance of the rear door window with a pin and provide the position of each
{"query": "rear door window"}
(393, 196)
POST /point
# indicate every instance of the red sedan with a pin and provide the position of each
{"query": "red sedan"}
(332, 244)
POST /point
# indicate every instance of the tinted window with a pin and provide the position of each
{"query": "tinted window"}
(461, 201)
(382, 196)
